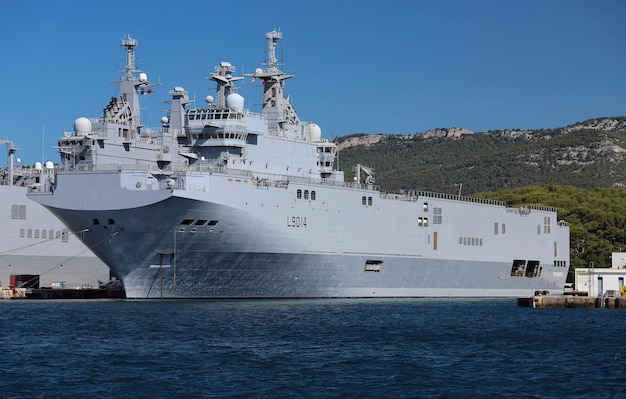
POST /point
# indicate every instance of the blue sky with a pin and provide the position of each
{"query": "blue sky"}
(396, 67)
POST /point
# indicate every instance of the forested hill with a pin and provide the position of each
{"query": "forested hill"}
(579, 169)
(586, 154)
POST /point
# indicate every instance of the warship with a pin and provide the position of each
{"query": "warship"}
(220, 201)
(36, 249)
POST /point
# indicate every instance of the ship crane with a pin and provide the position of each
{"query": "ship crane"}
(11, 149)
(369, 179)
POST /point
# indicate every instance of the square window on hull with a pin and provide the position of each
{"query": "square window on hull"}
(373, 265)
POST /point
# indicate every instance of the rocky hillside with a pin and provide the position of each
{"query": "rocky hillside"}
(586, 154)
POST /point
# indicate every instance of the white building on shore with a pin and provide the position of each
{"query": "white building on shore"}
(603, 281)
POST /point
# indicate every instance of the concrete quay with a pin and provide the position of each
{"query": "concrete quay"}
(572, 301)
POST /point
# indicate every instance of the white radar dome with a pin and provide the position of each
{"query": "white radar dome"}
(143, 77)
(235, 101)
(209, 99)
(49, 165)
(315, 132)
(82, 126)
(164, 120)
(38, 166)
(258, 70)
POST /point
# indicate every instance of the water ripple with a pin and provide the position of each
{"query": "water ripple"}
(309, 348)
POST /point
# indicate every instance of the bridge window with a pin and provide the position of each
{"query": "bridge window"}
(299, 194)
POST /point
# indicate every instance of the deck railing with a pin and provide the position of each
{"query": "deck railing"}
(266, 180)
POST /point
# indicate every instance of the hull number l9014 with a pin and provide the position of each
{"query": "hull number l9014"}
(296, 221)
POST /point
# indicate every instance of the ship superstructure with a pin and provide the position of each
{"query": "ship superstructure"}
(220, 201)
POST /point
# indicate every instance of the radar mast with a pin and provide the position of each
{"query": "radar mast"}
(272, 38)
(276, 107)
(130, 44)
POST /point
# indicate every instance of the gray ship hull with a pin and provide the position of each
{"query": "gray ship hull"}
(232, 239)
(253, 275)
(223, 202)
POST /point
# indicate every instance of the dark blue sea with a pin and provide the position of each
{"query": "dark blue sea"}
(362, 348)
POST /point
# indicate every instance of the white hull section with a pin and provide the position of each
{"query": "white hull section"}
(227, 236)
(35, 242)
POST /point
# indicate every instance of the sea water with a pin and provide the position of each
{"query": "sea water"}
(366, 348)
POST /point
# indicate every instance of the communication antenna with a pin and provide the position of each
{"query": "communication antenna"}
(43, 142)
